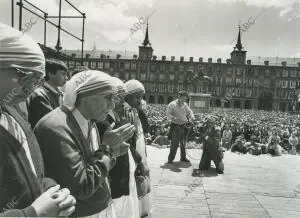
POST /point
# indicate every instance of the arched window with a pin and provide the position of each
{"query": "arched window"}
(170, 98)
(161, 100)
(151, 99)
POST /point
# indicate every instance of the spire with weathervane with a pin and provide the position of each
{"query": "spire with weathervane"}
(238, 55)
(239, 45)
(146, 40)
(146, 51)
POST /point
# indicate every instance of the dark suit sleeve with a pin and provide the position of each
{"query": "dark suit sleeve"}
(65, 162)
(102, 127)
(38, 106)
(48, 183)
(144, 121)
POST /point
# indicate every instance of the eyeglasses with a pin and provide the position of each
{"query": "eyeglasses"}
(30, 77)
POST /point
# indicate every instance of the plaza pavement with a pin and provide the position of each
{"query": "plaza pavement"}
(252, 186)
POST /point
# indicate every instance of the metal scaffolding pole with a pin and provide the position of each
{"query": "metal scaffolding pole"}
(46, 17)
(58, 47)
(82, 41)
(20, 15)
(12, 13)
(45, 28)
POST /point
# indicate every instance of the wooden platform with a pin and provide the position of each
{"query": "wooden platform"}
(252, 186)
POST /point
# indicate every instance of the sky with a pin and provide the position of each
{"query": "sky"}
(190, 28)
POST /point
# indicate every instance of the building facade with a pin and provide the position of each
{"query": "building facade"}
(235, 84)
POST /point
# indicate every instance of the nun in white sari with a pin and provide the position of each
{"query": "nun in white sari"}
(71, 144)
(122, 179)
(134, 95)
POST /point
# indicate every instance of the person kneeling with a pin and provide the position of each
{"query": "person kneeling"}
(211, 148)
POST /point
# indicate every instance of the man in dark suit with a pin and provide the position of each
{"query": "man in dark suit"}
(47, 97)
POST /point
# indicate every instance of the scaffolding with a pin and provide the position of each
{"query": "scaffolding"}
(46, 18)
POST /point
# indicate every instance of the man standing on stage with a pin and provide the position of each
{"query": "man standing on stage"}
(179, 113)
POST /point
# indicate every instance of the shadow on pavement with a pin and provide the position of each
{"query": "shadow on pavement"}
(175, 166)
(204, 173)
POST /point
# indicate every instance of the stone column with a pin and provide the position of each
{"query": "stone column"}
(254, 104)
(242, 104)
(222, 102)
(231, 103)
(275, 106)
(286, 106)
(213, 102)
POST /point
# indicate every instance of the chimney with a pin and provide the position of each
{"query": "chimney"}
(135, 56)
(249, 62)
(172, 58)
(209, 60)
(154, 57)
(266, 63)
(118, 56)
(181, 59)
(163, 58)
(191, 59)
(201, 60)
(283, 63)
(219, 61)
(87, 55)
(228, 61)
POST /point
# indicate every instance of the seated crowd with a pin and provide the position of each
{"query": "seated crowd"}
(244, 131)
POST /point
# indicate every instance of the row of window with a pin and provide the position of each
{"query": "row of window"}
(238, 71)
(234, 92)
(103, 65)
(217, 91)
(171, 88)
(202, 87)
(287, 84)
(256, 82)
(218, 81)
(247, 92)
(162, 87)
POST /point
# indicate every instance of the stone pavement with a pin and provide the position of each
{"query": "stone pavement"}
(252, 186)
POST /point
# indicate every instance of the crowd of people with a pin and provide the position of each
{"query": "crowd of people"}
(242, 130)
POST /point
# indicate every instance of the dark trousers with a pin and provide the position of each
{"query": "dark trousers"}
(178, 137)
